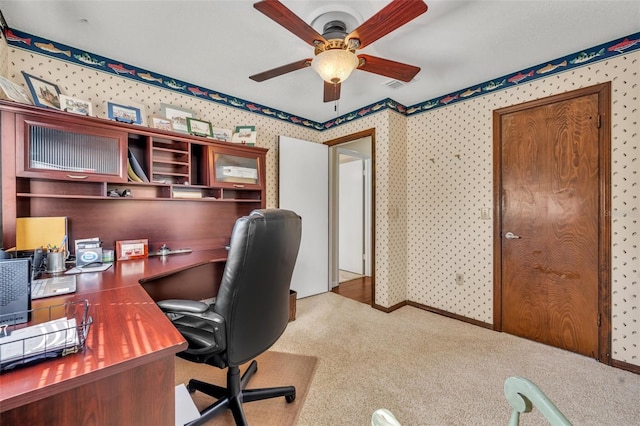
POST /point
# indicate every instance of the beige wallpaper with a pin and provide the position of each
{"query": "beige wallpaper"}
(433, 173)
(100, 88)
(4, 56)
(449, 178)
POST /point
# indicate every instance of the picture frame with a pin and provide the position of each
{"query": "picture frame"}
(177, 115)
(162, 123)
(75, 105)
(221, 134)
(199, 127)
(132, 249)
(14, 92)
(124, 113)
(245, 135)
(43, 93)
(132, 104)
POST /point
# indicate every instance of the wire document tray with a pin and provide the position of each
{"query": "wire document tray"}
(52, 332)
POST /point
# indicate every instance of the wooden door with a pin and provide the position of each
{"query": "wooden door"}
(552, 199)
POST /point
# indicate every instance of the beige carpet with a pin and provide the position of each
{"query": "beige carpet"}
(432, 370)
(274, 369)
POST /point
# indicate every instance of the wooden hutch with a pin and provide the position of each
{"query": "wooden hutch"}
(56, 163)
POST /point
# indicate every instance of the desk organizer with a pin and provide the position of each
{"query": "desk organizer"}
(51, 332)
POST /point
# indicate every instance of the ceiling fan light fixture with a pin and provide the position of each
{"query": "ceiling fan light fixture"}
(335, 65)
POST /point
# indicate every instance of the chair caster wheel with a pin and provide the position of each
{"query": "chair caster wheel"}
(290, 398)
(190, 389)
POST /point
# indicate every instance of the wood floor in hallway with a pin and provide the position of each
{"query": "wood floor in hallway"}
(358, 289)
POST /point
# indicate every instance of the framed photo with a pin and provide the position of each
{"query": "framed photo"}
(245, 135)
(74, 105)
(161, 123)
(132, 104)
(199, 127)
(44, 94)
(13, 92)
(177, 115)
(132, 249)
(124, 113)
(221, 134)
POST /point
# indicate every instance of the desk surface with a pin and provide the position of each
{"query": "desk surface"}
(128, 329)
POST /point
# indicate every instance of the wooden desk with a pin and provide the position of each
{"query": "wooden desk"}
(126, 374)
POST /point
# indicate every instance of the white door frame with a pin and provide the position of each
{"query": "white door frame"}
(333, 208)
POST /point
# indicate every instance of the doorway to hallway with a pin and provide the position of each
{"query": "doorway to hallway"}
(351, 215)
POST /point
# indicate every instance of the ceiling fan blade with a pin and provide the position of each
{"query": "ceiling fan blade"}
(285, 17)
(294, 66)
(392, 16)
(331, 92)
(386, 67)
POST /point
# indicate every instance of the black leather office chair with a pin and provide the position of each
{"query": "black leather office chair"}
(249, 314)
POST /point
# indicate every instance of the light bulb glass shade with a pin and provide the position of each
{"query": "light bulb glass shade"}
(335, 65)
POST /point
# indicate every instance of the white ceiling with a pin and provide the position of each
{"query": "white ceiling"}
(218, 44)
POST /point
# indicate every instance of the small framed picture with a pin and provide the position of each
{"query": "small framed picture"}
(44, 94)
(199, 127)
(74, 105)
(132, 249)
(161, 123)
(13, 92)
(221, 134)
(245, 135)
(124, 113)
(177, 115)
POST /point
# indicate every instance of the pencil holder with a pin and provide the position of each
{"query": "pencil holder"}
(55, 262)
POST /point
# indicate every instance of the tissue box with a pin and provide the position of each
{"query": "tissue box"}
(84, 256)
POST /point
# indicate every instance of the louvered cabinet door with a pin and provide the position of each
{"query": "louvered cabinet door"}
(69, 151)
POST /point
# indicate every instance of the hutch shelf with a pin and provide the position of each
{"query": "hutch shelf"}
(119, 181)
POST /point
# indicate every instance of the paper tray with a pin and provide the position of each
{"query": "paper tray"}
(52, 332)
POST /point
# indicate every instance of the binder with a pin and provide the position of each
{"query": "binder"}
(136, 168)
(36, 232)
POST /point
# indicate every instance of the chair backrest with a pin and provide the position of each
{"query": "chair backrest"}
(254, 292)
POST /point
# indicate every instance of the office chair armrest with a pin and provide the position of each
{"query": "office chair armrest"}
(204, 330)
(183, 306)
(202, 342)
(205, 333)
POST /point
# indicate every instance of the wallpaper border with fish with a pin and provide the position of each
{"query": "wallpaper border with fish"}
(63, 52)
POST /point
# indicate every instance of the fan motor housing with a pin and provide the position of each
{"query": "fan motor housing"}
(335, 33)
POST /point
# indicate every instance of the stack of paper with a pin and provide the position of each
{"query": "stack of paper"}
(50, 338)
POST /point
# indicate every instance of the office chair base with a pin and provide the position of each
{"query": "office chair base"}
(234, 395)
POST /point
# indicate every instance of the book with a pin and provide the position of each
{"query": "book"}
(132, 175)
(137, 168)
(185, 193)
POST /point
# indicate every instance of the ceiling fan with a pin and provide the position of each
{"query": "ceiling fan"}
(335, 55)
